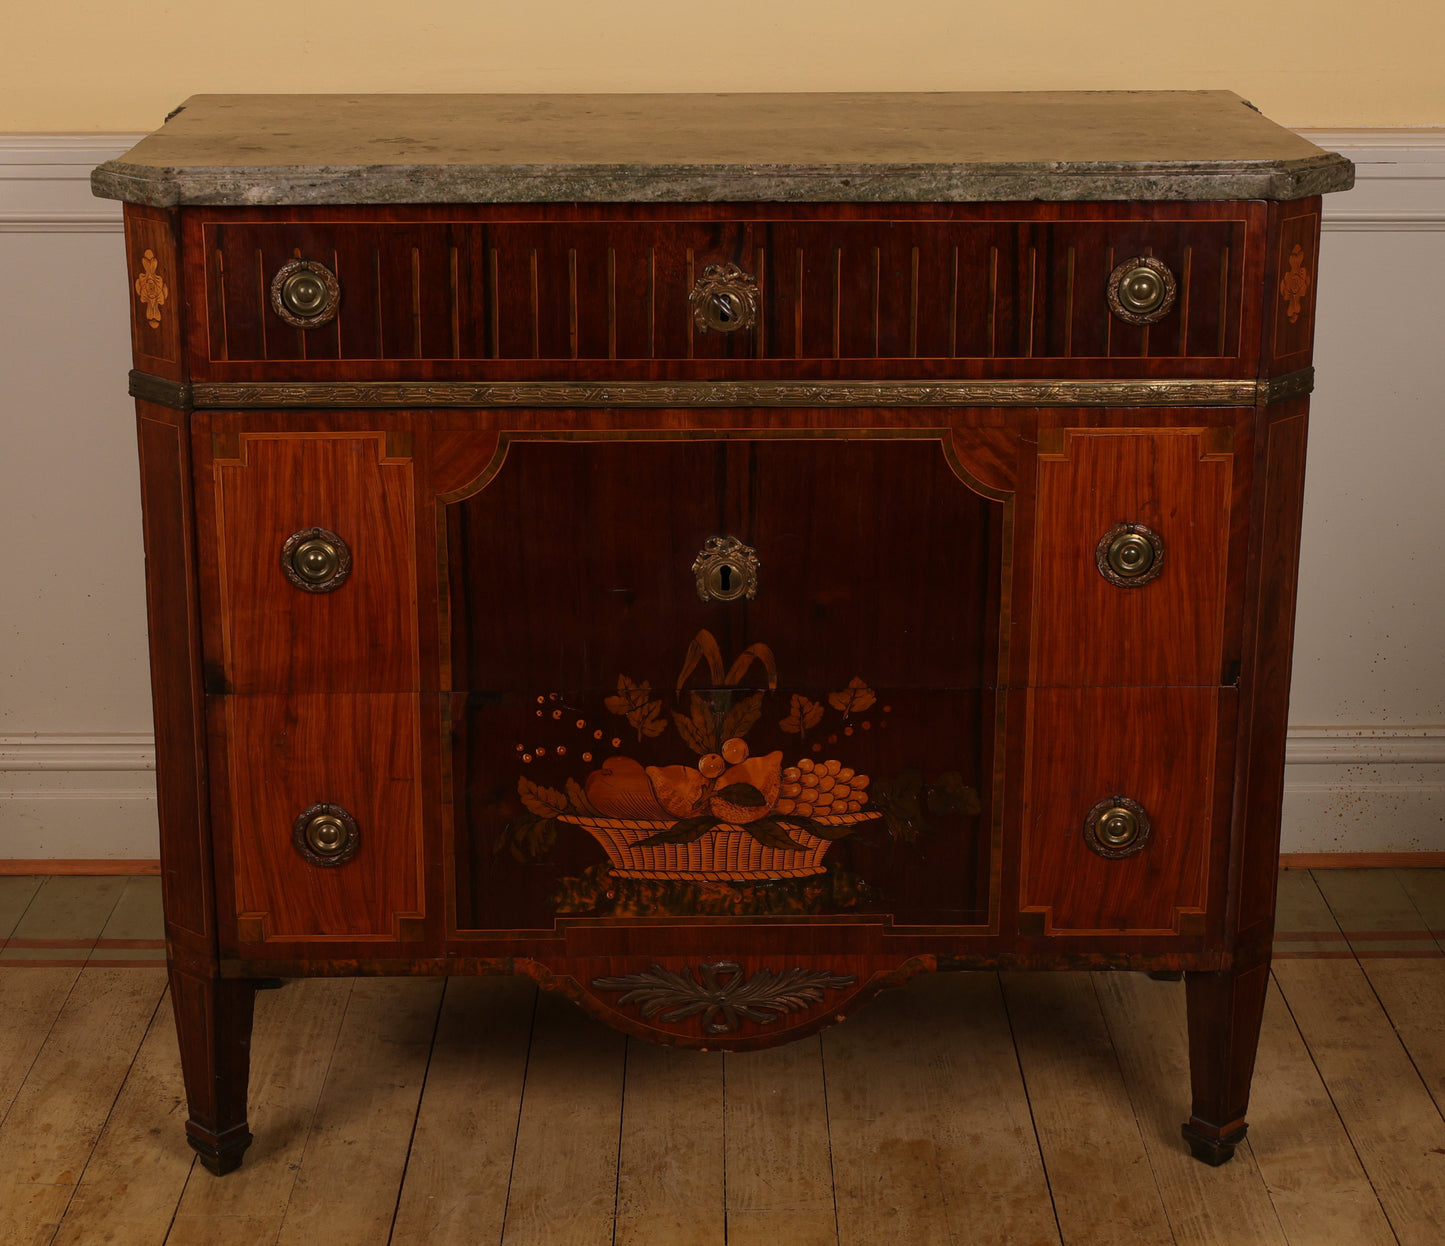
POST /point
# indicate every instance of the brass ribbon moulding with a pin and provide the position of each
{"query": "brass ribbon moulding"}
(249, 395)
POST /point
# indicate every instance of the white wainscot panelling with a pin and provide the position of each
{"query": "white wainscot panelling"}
(1366, 759)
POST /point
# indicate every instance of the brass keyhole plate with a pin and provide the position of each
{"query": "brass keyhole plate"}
(305, 294)
(1141, 290)
(725, 570)
(316, 560)
(326, 835)
(1117, 828)
(1129, 555)
(724, 300)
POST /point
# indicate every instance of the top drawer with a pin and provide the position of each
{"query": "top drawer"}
(547, 292)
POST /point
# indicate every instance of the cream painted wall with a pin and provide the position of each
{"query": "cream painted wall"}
(97, 65)
(1366, 753)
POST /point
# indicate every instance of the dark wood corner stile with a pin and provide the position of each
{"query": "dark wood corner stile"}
(515, 610)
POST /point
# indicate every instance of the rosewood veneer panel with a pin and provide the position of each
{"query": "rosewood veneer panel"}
(1175, 481)
(265, 486)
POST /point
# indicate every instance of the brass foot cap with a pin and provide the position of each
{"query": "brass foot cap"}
(223, 1158)
(1210, 1150)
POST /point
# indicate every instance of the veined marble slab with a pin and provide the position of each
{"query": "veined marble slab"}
(945, 147)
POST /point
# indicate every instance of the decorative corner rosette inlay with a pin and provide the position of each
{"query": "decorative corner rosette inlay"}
(722, 994)
(151, 288)
(1294, 286)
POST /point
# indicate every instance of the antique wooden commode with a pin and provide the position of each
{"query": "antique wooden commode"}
(720, 555)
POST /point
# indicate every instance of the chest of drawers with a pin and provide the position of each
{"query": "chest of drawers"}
(720, 556)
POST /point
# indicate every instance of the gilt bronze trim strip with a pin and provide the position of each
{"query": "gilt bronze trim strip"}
(163, 393)
(1290, 385)
(1048, 393)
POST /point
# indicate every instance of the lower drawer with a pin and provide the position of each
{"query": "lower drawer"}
(1124, 804)
(318, 816)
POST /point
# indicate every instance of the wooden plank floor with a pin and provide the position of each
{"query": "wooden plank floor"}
(966, 1109)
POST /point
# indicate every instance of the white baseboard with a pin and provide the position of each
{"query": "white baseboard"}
(1347, 789)
(74, 796)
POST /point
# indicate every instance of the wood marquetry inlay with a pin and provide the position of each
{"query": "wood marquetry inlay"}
(722, 994)
(151, 288)
(1294, 286)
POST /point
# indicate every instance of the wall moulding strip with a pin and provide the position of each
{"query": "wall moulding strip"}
(76, 866)
(1361, 860)
(1416, 745)
(45, 180)
(48, 753)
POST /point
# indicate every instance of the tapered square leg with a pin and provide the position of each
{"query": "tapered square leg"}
(213, 1024)
(1225, 1012)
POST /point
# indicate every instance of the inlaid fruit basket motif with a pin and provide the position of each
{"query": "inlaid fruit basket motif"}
(729, 814)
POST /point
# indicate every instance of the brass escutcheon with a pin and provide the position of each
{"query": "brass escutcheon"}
(725, 570)
(725, 299)
(305, 294)
(316, 560)
(1117, 827)
(326, 835)
(1129, 555)
(1141, 290)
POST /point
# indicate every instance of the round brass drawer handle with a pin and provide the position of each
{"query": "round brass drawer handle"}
(1141, 290)
(1117, 827)
(326, 835)
(305, 294)
(724, 300)
(725, 570)
(316, 560)
(1129, 555)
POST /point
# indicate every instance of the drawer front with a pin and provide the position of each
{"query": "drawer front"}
(1152, 752)
(1131, 555)
(352, 762)
(313, 580)
(507, 293)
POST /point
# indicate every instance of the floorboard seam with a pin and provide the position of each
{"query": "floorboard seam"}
(621, 1128)
(315, 1106)
(416, 1115)
(109, 1112)
(517, 1124)
(1436, 935)
(1134, 1110)
(828, 1132)
(1028, 1100)
(1369, 982)
(1339, 1116)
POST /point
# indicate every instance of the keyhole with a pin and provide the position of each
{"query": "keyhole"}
(725, 577)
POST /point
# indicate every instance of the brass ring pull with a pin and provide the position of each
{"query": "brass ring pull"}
(725, 299)
(305, 294)
(326, 835)
(316, 560)
(1117, 828)
(1141, 290)
(1129, 555)
(725, 570)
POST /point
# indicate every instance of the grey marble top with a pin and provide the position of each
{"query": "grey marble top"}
(1042, 145)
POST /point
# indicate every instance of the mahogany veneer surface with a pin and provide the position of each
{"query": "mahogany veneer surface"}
(722, 818)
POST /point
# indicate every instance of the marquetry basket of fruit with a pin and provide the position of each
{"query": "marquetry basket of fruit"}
(724, 819)
(730, 815)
